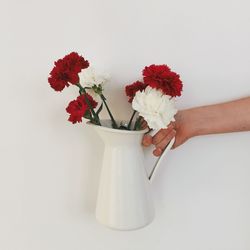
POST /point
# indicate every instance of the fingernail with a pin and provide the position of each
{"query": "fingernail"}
(157, 152)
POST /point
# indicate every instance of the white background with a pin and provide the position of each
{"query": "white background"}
(49, 168)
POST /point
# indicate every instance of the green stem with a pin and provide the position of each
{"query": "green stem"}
(114, 124)
(96, 117)
(138, 123)
(131, 119)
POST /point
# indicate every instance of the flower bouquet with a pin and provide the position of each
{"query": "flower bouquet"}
(152, 97)
(123, 200)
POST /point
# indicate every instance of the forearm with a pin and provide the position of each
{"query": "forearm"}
(227, 117)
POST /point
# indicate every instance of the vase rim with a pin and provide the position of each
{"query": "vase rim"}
(113, 130)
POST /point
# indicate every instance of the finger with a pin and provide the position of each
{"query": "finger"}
(162, 145)
(147, 140)
(144, 124)
(162, 134)
(172, 124)
(157, 152)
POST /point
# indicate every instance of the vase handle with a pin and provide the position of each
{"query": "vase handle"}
(160, 158)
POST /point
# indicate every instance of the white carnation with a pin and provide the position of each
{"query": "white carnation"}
(89, 78)
(157, 109)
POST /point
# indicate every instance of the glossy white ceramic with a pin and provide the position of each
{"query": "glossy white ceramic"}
(124, 201)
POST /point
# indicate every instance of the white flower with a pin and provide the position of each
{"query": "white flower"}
(89, 78)
(157, 109)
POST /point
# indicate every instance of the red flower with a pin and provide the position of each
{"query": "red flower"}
(133, 88)
(66, 71)
(161, 77)
(79, 108)
(76, 62)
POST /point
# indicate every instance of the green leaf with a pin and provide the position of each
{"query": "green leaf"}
(88, 115)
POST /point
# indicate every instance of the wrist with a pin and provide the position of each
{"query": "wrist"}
(194, 122)
(204, 120)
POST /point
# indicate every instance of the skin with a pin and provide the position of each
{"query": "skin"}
(233, 116)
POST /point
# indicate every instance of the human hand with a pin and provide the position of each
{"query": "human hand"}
(181, 129)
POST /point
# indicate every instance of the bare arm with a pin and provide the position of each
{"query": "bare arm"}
(226, 117)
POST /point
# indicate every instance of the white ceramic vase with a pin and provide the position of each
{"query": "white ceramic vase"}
(124, 201)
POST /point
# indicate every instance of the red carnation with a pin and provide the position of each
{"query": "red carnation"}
(75, 62)
(133, 88)
(161, 77)
(78, 108)
(66, 71)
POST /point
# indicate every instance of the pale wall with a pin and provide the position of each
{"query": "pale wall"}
(49, 168)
